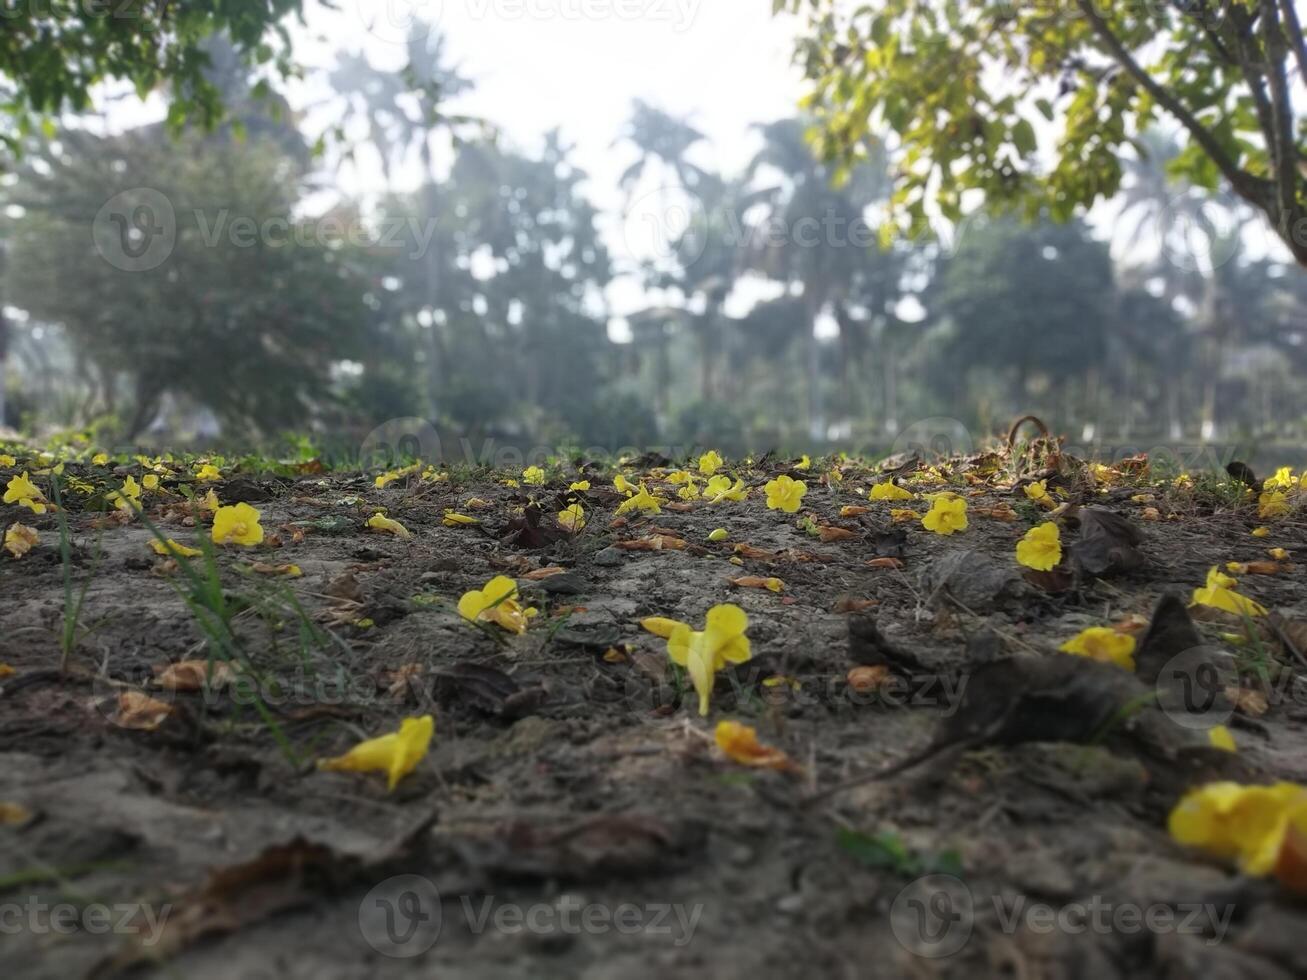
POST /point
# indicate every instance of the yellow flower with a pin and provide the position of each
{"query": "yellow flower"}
(889, 491)
(24, 492)
(172, 549)
(1282, 480)
(208, 473)
(1273, 503)
(643, 501)
(659, 626)
(1279, 554)
(740, 743)
(623, 485)
(803, 464)
(385, 479)
(946, 515)
(722, 641)
(1041, 548)
(533, 476)
(237, 525)
(150, 481)
(580, 486)
(454, 519)
(720, 534)
(128, 498)
(572, 518)
(7, 461)
(100, 459)
(1260, 532)
(1101, 643)
(690, 491)
(1219, 594)
(380, 522)
(1037, 492)
(1232, 821)
(721, 488)
(396, 754)
(210, 502)
(20, 539)
(496, 603)
(710, 462)
(1219, 737)
(785, 494)
(677, 477)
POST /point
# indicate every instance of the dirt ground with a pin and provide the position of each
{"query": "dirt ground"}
(574, 817)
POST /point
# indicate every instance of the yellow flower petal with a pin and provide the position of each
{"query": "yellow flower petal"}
(238, 524)
(396, 754)
(380, 522)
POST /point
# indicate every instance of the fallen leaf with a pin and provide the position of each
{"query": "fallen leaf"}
(140, 712)
(740, 743)
(867, 679)
(543, 573)
(828, 534)
(848, 604)
(193, 675)
(13, 814)
(756, 582)
(1108, 543)
(287, 571)
(854, 511)
(885, 563)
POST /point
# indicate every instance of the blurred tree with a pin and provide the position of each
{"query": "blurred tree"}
(53, 54)
(248, 308)
(930, 71)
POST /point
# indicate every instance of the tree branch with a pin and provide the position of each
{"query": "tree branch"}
(1285, 153)
(1245, 184)
(1294, 29)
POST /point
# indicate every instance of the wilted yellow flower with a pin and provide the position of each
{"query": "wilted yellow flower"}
(710, 462)
(1232, 821)
(1260, 532)
(496, 603)
(210, 502)
(150, 481)
(238, 524)
(380, 522)
(533, 476)
(946, 515)
(208, 473)
(889, 491)
(580, 486)
(803, 464)
(454, 519)
(720, 488)
(25, 493)
(172, 549)
(1279, 554)
(100, 459)
(7, 461)
(1273, 503)
(572, 518)
(740, 743)
(785, 494)
(623, 485)
(1041, 548)
(389, 477)
(702, 654)
(642, 501)
(1219, 594)
(1101, 643)
(396, 754)
(20, 539)
(660, 626)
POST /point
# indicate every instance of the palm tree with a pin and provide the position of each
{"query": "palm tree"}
(817, 253)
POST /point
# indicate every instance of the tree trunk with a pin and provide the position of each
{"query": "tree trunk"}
(816, 413)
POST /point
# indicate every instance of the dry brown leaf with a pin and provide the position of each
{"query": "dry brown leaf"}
(13, 814)
(1251, 702)
(1266, 568)
(191, 675)
(654, 542)
(854, 511)
(885, 563)
(757, 582)
(679, 507)
(263, 568)
(848, 604)
(828, 534)
(999, 512)
(140, 712)
(757, 554)
(543, 573)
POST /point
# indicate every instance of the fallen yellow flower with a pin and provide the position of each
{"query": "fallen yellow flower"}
(1041, 548)
(721, 488)
(572, 518)
(496, 603)
(238, 524)
(718, 534)
(380, 522)
(396, 754)
(785, 494)
(1101, 643)
(1273, 503)
(710, 462)
(642, 501)
(22, 491)
(659, 626)
(1219, 594)
(208, 473)
(127, 499)
(946, 515)
(1228, 820)
(453, 518)
(702, 654)
(889, 491)
(533, 476)
(1219, 737)
(173, 549)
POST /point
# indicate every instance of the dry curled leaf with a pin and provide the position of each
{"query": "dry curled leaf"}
(192, 675)
(1247, 700)
(140, 712)
(884, 563)
(543, 573)
(848, 604)
(864, 680)
(757, 582)
(854, 511)
(654, 542)
(828, 534)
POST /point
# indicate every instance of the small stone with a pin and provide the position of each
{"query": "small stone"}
(791, 904)
(610, 558)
